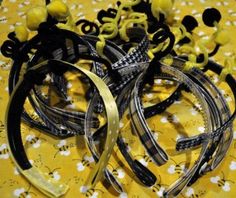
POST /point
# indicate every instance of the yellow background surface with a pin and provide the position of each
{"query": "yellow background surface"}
(67, 166)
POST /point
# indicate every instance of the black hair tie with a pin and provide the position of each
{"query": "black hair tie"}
(110, 13)
(88, 27)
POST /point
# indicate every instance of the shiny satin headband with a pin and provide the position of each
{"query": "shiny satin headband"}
(36, 76)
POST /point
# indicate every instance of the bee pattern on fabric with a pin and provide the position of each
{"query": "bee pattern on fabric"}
(3, 19)
(9, 183)
(231, 22)
(190, 192)
(170, 118)
(21, 5)
(178, 168)
(63, 148)
(3, 9)
(196, 13)
(226, 95)
(117, 172)
(33, 140)
(232, 165)
(2, 128)
(53, 173)
(4, 152)
(5, 65)
(22, 193)
(37, 162)
(128, 148)
(222, 3)
(155, 133)
(214, 78)
(90, 193)
(145, 159)
(84, 162)
(16, 171)
(187, 3)
(123, 195)
(158, 187)
(221, 182)
(35, 117)
(195, 109)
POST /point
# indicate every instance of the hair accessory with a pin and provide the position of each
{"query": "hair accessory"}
(211, 16)
(135, 44)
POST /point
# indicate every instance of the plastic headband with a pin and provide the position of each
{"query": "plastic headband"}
(13, 131)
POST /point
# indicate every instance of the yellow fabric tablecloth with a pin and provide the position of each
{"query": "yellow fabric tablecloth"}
(73, 164)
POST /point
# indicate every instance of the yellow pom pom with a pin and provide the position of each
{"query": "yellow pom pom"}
(21, 33)
(228, 69)
(188, 65)
(58, 10)
(161, 6)
(222, 37)
(35, 16)
(150, 54)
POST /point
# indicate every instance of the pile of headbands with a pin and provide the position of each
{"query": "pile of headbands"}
(115, 60)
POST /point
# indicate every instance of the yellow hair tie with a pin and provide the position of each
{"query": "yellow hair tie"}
(168, 60)
(137, 18)
(186, 49)
(100, 45)
(193, 56)
(181, 33)
(111, 28)
(150, 54)
(228, 68)
(111, 24)
(125, 5)
(188, 65)
(205, 56)
(222, 37)
(192, 62)
(158, 48)
(187, 34)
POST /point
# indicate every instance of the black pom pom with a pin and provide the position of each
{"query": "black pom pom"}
(211, 15)
(189, 23)
(118, 3)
